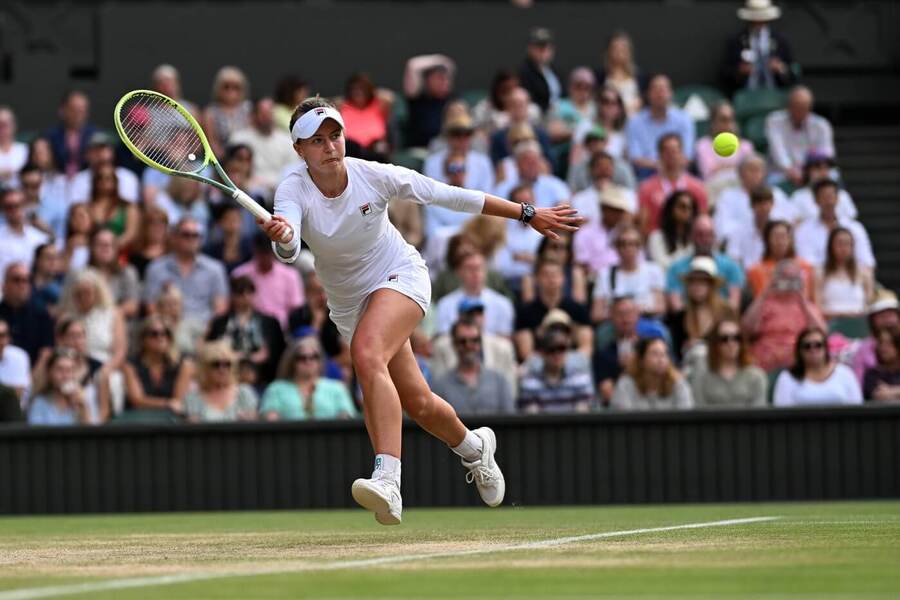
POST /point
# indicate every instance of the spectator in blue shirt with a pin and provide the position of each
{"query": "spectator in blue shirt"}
(646, 127)
(703, 236)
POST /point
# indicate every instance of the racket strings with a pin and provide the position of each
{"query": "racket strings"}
(161, 133)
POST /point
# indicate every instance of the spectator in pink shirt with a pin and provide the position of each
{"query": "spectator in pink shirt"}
(719, 172)
(672, 176)
(366, 111)
(778, 315)
(279, 287)
(593, 245)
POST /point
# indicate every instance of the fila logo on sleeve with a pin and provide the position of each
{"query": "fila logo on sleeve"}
(365, 209)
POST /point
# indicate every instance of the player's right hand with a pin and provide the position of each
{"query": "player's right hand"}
(277, 228)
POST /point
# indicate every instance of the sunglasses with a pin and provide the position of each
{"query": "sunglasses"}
(307, 357)
(557, 349)
(219, 364)
(153, 333)
(467, 341)
(729, 337)
(19, 279)
(629, 243)
(231, 85)
(608, 100)
(812, 345)
(190, 235)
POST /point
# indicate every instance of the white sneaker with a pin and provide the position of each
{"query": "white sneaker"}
(381, 495)
(485, 471)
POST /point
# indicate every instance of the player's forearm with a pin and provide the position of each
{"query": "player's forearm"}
(498, 207)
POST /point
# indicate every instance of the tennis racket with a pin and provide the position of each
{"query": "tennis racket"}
(165, 136)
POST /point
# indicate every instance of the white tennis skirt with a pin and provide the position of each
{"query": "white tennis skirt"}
(411, 280)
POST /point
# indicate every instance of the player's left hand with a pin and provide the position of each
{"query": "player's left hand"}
(547, 221)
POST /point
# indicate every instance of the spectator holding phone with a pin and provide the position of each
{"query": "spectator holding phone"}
(62, 401)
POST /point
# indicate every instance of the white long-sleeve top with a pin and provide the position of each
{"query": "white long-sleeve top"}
(354, 244)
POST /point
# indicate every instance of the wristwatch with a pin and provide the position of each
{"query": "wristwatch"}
(527, 212)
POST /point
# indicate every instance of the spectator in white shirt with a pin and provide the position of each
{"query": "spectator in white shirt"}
(272, 148)
(644, 281)
(101, 152)
(845, 288)
(672, 240)
(498, 310)
(549, 190)
(515, 259)
(817, 167)
(747, 244)
(815, 379)
(812, 235)
(18, 238)
(13, 154)
(15, 367)
(796, 131)
(733, 210)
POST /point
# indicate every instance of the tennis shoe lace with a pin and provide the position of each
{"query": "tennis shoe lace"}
(478, 472)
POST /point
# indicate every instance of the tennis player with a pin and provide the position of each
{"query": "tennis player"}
(379, 289)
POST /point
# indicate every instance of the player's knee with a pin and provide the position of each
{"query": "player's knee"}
(367, 359)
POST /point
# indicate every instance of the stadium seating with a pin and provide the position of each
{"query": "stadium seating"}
(750, 103)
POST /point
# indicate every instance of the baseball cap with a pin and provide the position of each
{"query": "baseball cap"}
(467, 305)
(556, 317)
(597, 132)
(816, 157)
(311, 120)
(702, 265)
(540, 36)
(98, 139)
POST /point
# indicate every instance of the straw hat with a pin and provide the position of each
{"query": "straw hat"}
(884, 300)
(759, 11)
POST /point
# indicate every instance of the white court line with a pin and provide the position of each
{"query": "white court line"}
(138, 582)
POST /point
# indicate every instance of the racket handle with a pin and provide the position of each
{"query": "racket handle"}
(257, 211)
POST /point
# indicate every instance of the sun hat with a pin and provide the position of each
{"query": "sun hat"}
(759, 11)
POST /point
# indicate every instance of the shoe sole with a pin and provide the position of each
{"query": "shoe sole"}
(502, 485)
(374, 502)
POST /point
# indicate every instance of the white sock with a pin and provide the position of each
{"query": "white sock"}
(387, 464)
(470, 448)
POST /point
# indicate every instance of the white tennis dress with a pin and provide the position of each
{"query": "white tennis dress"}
(357, 249)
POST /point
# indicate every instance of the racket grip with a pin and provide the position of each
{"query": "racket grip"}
(257, 211)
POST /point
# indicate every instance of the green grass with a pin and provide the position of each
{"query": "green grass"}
(833, 551)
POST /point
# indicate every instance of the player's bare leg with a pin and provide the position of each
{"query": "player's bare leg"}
(435, 415)
(385, 326)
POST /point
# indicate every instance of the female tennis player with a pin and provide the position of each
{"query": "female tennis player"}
(378, 290)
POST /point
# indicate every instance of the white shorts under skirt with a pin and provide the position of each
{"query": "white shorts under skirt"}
(411, 280)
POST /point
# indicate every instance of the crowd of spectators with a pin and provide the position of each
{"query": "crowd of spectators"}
(697, 280)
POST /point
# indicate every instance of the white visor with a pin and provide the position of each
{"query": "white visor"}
(309, 123)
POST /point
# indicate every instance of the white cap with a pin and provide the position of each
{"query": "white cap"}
(309, 123)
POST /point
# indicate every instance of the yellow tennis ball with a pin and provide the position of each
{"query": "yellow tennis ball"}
(725, 144)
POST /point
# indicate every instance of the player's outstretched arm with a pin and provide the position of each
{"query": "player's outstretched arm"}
(546, 221)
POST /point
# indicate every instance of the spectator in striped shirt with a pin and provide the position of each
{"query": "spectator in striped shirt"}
(559, 379)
